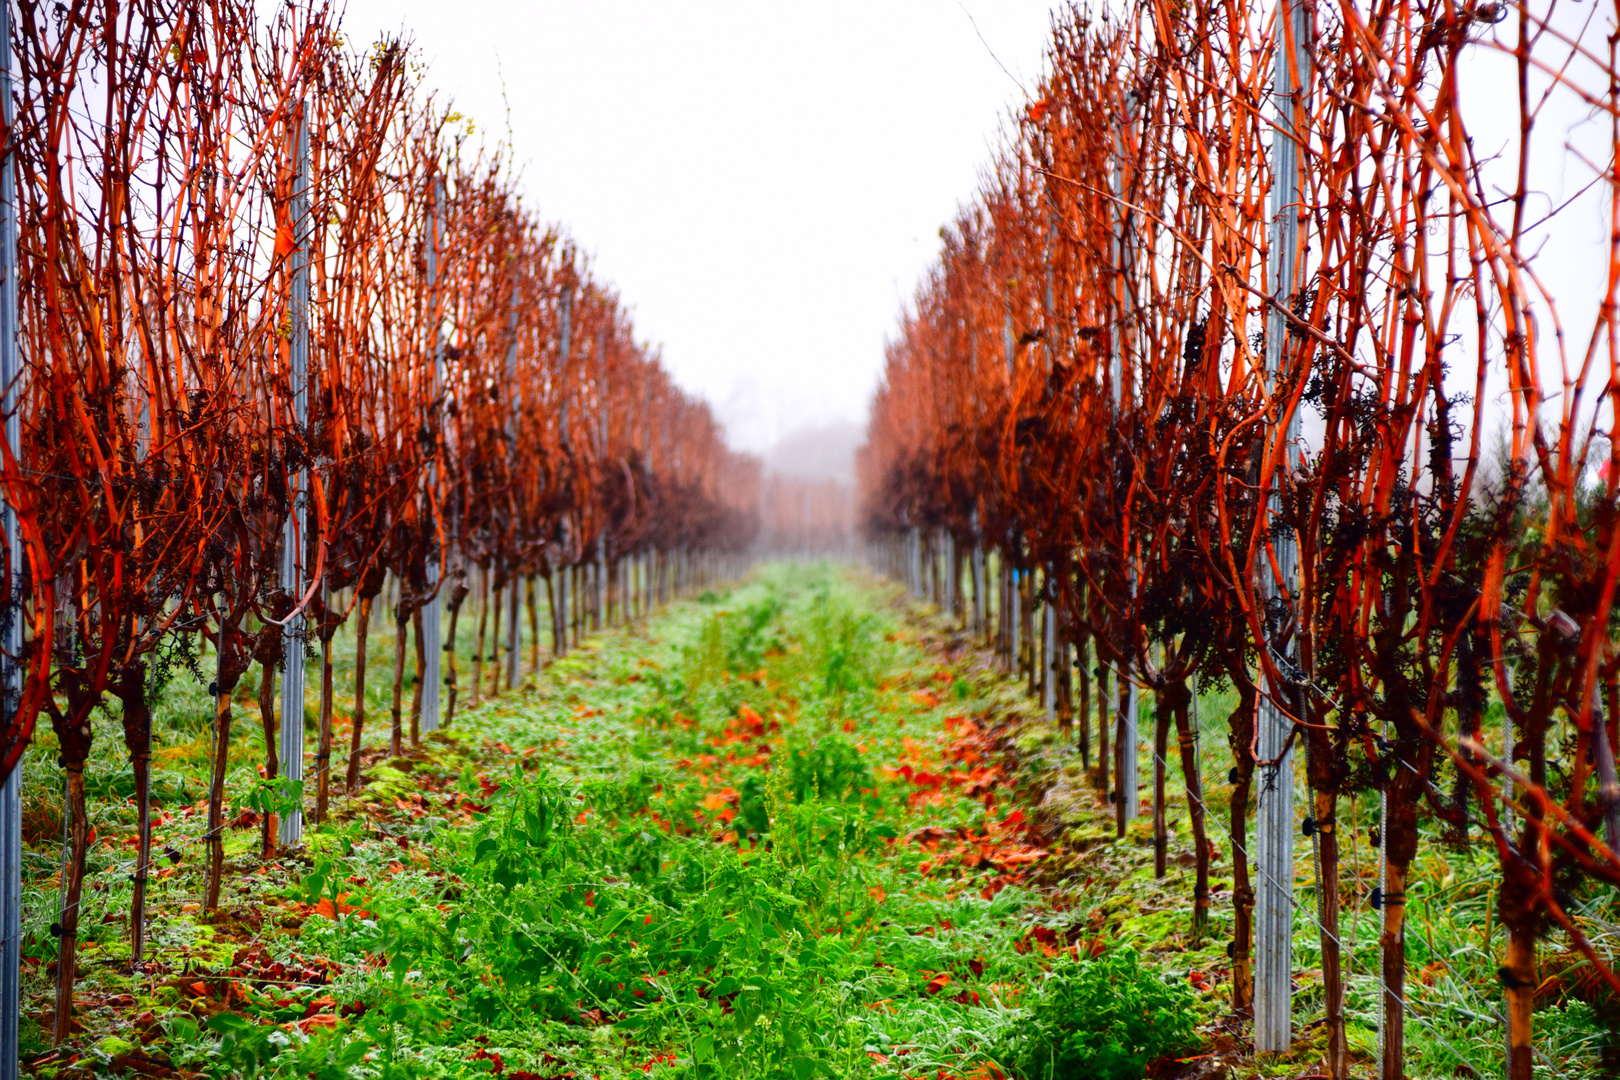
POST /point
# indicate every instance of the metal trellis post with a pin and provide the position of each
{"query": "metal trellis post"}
(294, 558)
(515, 406)
(1048, 651)
(1274, 811)
(1125, 706)
(11, 624)
(564, 349)
(432, 612)
(1010, 627)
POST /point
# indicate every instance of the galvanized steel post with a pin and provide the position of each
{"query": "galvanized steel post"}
(294, 559)
(511, 447)
(1274, 826)
(565, 341)
(1048, 650)
(1126, 706)
(432, 634)
(11, 635)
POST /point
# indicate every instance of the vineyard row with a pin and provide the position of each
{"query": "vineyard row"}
(278, 331)
(1210, 369)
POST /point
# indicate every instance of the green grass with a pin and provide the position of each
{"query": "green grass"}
(735, 846)
(792, 829)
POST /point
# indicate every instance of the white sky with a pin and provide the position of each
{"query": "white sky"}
(763, 181)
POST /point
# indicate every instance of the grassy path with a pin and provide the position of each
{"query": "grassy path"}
(777, 836)
(793, 830)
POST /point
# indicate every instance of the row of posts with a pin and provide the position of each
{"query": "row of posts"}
(584, 585)
(1021, 591)
(927, 561)
(599, 590)
(1029, 636)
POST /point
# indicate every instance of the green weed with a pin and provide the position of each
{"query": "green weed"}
(1105, 1018)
